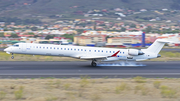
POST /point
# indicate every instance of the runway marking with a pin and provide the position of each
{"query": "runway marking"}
(5, 67)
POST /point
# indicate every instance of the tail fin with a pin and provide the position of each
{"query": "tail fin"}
(157, 46)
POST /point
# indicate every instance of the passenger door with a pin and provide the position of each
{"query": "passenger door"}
(24, 47)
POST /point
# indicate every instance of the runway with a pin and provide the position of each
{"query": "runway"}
(77, 69)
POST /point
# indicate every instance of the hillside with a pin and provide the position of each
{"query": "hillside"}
(34, 8)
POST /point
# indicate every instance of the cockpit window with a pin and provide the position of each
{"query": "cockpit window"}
(16, 45)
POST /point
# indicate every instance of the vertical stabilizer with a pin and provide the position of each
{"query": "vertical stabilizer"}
(157, 46)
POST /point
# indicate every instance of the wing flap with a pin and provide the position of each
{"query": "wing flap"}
(98, 57)
(93, 57)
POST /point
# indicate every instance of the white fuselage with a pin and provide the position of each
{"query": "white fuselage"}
(81, 52)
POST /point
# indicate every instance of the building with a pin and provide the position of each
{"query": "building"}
(123, 40)
(85, 40)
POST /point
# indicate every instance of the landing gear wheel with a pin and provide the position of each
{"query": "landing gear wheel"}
(12, 57)
(93, 64)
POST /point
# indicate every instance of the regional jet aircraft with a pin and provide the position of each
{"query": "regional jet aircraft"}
(96, 54)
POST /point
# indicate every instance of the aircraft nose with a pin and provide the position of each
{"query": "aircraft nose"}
(6, 49)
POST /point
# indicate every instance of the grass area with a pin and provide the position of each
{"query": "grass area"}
(87, 89)
(165, 56)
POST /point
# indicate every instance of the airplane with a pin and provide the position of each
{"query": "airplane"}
(96, 54)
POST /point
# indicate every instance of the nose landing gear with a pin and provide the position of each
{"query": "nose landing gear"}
(12, 57)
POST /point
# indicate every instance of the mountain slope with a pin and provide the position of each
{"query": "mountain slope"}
(23, 8)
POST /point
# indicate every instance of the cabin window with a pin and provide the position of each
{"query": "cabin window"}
(54, 48)
(61, 48)
(84, 50)
(16, 45)
(78, 49)
(47, 47)
(120, 52)
(36, 46)
(75, 49)
(102, 50)
(68, 48)
(71, 48)
(81, 49)
(89, 50)
(64, 48)
(43, 47)
(33, 46)
(39, 47)
(109, 51)
(94, 50)
(106, 51)
(58, 48)
(123, 52)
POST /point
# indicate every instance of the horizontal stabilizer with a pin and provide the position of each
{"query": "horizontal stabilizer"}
(163, 41)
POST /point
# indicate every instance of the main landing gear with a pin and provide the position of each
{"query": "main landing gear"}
(12, 57)
(93, 63)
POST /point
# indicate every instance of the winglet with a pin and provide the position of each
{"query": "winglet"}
(115, 54)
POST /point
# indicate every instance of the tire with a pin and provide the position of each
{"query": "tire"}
(93, 64)
(12, 57)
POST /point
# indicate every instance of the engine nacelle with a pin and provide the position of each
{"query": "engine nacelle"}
(135, 52)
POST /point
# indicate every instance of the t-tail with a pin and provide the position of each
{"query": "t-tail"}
(157, 46)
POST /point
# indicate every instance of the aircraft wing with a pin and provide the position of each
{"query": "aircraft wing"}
(93, 57)
(98, 57)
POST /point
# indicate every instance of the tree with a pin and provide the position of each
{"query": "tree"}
(80, 31)
(35, 36)
(133, 26)
(49, 37)
(148, 29)
(45, 27)
(30, 33)
(107, 37)
(34, 28)
(123, 29)
(69, 36)
(14, 35)
(1, 34)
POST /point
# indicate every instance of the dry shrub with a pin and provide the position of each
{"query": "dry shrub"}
(139, 79)
(96, 97)
(51, 98)
(2, 95)
(157, 84)
(84, 82)
(120, 88)
(19, 93)
(67, 86)
(168, 92)
(144, 90)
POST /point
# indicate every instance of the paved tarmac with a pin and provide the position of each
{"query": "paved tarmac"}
(77, 69)
(171, 49)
